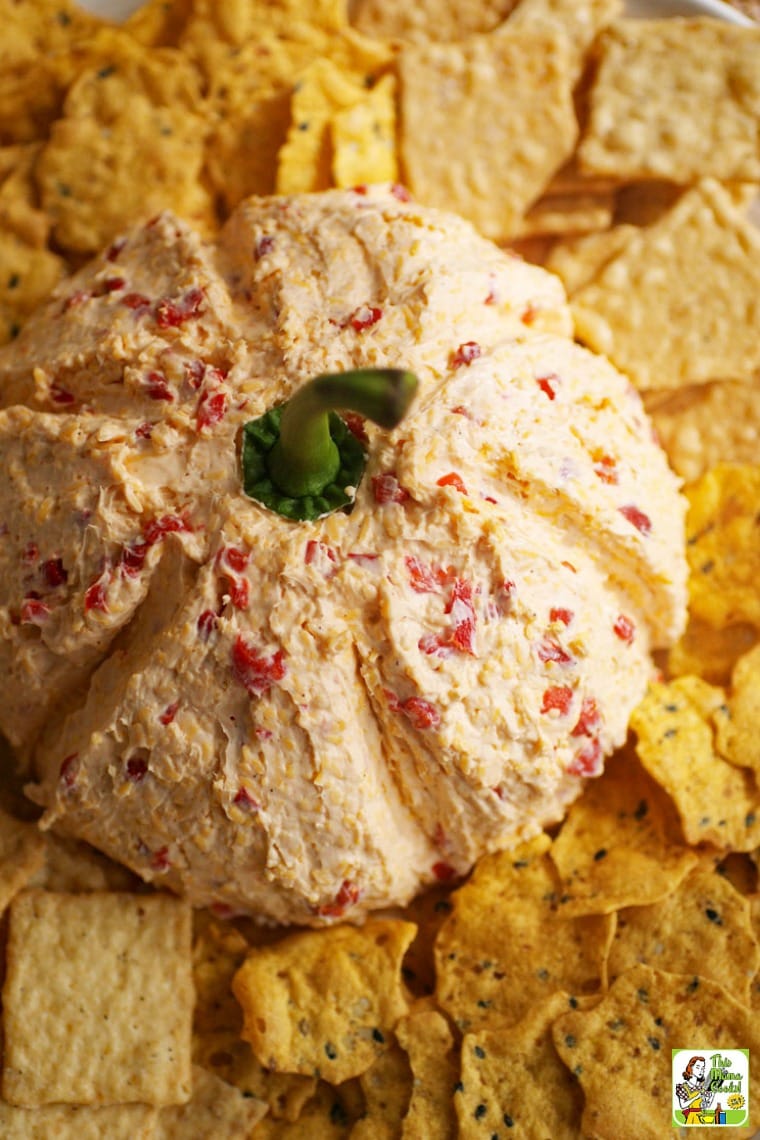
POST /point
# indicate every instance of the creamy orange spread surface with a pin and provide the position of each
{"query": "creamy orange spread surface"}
(306, 721)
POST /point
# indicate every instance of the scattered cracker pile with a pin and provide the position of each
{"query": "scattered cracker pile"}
(543, 996)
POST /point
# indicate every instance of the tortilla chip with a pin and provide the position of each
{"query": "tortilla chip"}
(514, 1079)
(704, 927)
(717, 802)
(737, 738)
(674, 99)
(723, 547)
(625, 1042)
(387, 1088)
(364, 138)
(215, 1110)
(680, 303)
(577, 260)
(282, 989)
(485, 123)
(580, 21)
(68, 1122)
(28, 276)
(324, 1117)
(707, 424)
(138, 120)
(97, 999)
(619, 845)
(710, 653)
(22, 854)
(443, 21)
(428, 911)
(567, 214)
(305, 161)
(429, 1043)
(480, 978)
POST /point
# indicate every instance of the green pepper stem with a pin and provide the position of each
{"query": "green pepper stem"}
(305, 458)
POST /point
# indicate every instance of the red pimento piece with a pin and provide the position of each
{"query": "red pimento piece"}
(444, 872)
(529, 314)
(361, 188)
(256, 671)
(400, 192)
(33, 611)
(558, 697)
(195, 370)
(68, 770)
(589, 720)
(387, 489)
(559, 613)
(157, 387)
(548, 384)
(263, 246)
(605, 468)
(465, 354)
(365, 317)
(348, 895)
(462, 610)
(206, 624)
(549, 650)
(624, 628)
(211, 410)
(115, 249)
(95, 596)
(233, 557)
(30, 554)
(452, 480)
(167, 524)
(144, 430)
(132, 558)
(365, 560)
(135, 301)
(244, 799)
(137, 768)
(427, 579)
(587, 762)
(172, 314)
(637, 518)
(112, 284)
(54, 572)
(159, 860)
(61, 396)
(240, 593)
(356, 425)
(421, 713)
(169, 713)
(78, 297)
(320, 553)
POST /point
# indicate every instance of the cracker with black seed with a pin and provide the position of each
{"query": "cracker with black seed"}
(323, 1003)
(624, 1045)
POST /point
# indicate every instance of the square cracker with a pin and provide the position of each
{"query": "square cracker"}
(98, 999)
(22, 854)
(485, 123)
(675, 99)
(77, 1122)
(680, 303)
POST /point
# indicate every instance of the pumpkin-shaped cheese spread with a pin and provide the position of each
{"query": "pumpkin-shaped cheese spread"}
(305, 720)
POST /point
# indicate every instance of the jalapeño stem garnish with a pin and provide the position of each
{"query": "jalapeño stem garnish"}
(300, 459)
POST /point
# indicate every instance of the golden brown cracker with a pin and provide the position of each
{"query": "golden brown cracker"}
(72, 1122)
(97, 1002)
(716, 802)
(139, 121)
(723, 545)
(363, 137)
(577, 260)
(675, 99)
(625, 1042)
(680, 303)
(214, 1110)
(444, 21)
(282, 988)
(710, 653)
(706, 424)
(619, 844)
(22, 854)
(479, 978)
(427, 1039)
(514, 1083)
(704, 927)
(485, 123)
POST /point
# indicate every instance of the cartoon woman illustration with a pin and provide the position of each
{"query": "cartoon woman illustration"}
(692, 1095)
